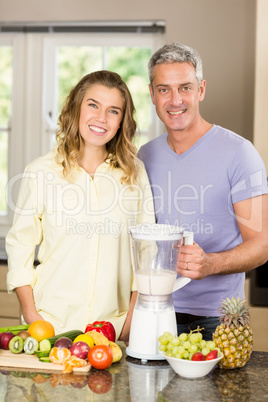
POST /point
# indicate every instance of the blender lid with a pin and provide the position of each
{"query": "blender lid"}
(146, 231)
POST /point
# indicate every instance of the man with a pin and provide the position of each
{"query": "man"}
(208, 180)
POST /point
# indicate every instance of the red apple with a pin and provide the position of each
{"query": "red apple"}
(198, 356)
(63, 342)
(5, 338)
(80, 349)
(212, 355)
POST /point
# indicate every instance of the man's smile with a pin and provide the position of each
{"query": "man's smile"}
(176, 113)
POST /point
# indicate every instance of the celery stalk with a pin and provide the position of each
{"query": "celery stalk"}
(15, 328)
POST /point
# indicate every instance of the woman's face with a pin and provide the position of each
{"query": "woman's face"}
(101, 113)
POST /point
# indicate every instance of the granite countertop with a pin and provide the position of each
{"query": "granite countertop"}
(130, 380)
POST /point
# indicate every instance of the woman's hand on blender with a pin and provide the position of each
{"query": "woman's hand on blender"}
(193, 262)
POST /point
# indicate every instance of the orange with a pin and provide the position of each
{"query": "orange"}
(71, 362)
(85, 338)
(58, 356)
(41, 329)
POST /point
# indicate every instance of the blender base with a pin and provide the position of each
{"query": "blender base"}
(152, 317)
(144, 357)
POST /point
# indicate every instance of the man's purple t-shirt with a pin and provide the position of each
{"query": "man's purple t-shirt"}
(196, 190)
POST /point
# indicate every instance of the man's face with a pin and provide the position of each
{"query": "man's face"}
(176, 95)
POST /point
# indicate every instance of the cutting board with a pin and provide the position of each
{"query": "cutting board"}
(32, 363)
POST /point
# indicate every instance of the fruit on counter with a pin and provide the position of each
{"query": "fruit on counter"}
(85, 338)
(198, 356)
(15, 328)
(80, 349)
(16, 344)
(72, 362)
(41, 329)
(100, 357)
(105, 328)
(30, 345)
(233, 336)
(63, 342)
(63, 356)
(5, 338)
(213, 354)
(58, 356)
(23, 334)
(117, 351)
(99, 339)
(185, 346)
(69, 334)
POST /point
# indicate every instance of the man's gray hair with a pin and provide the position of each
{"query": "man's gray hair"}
(176, 52)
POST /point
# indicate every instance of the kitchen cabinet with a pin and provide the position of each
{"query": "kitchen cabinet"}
(9, 305)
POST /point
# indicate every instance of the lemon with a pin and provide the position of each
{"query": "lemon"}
(84, 338)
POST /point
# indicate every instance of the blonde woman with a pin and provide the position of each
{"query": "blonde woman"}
(77, 203)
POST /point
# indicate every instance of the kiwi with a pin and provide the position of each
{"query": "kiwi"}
(23, 334)
(16, 344)
(30, 345)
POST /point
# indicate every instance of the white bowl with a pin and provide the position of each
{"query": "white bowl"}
(192, 369)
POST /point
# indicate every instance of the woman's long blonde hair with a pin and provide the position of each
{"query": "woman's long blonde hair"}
(120, 148)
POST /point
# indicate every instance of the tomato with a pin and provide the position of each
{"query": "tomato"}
(100, 382)
(41, 329)
(100, 357)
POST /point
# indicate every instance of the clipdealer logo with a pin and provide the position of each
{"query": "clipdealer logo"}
(64, 200)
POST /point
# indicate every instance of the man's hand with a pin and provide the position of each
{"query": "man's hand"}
(194, 263)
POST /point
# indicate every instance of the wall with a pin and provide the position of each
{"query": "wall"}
(261, 88)
(222, 31)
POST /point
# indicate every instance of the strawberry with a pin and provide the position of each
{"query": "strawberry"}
(212, 355)
(198, 356)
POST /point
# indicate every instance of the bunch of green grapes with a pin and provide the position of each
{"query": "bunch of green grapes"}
(184, 345)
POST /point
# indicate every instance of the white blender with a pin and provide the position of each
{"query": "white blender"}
(155, 253)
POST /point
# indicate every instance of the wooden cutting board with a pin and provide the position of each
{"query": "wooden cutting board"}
(32, 363)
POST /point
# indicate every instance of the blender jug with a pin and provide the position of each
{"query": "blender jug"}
(155, 253)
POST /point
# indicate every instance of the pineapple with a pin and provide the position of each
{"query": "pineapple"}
(233, 336)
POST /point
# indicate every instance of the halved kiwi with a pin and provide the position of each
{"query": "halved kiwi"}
(23, 334)
(16, 344)
(30, 345)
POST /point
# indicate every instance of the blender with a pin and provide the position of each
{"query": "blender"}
(155, 254)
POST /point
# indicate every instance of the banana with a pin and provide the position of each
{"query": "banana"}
(98, 338)
(117, 352)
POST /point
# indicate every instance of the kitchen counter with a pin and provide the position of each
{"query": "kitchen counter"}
(130, 380)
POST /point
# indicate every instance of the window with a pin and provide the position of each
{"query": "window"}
(37, 71)
(5, 118)
(73, 57)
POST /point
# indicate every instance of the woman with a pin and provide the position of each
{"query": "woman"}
(77, 203)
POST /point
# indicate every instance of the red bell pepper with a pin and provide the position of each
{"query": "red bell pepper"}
(105, 328)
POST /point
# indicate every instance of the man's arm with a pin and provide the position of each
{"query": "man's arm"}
(252, 220)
